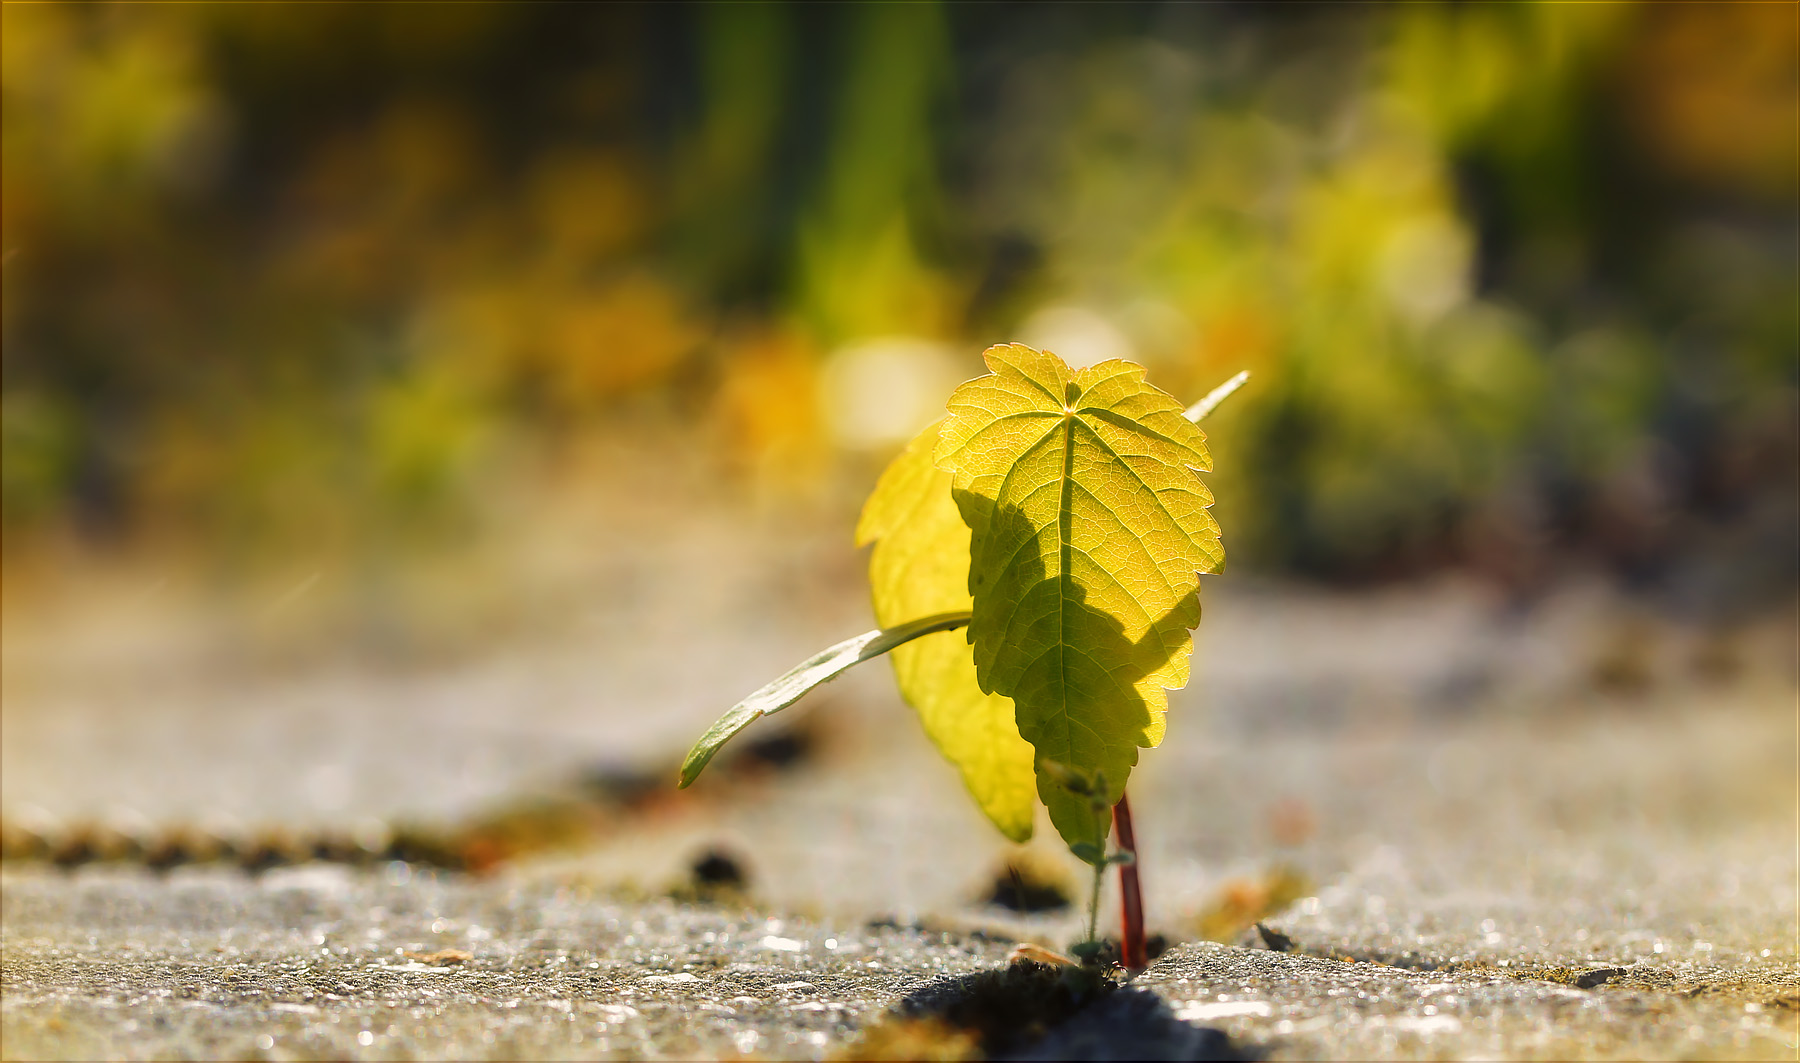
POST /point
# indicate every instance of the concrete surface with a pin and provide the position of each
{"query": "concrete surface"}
(1542, 836)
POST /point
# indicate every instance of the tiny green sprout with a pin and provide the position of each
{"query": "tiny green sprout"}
(1057, 514)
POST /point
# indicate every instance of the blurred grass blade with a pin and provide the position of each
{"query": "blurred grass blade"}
(810, 673)
(1198, 411)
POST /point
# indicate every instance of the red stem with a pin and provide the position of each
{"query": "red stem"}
(1131, 897)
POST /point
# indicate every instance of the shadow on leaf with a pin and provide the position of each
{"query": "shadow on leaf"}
(1087, 695)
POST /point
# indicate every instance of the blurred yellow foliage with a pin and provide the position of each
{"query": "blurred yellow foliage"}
(587, 207)
(98, 114)
(767, 407)
(265, 261)
(1716, 93)
(614, 338)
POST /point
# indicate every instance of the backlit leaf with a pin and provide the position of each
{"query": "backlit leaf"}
(1089, 527)
(920, 566)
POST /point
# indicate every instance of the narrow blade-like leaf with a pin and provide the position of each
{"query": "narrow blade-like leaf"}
(1198, 411)
(796, 683)
(920, 565)
(1089, 528)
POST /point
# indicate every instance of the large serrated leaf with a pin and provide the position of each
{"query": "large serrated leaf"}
(920, 566)
(797, 682)
(1089, 528)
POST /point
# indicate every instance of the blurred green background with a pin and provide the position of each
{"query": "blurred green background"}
(359, 283)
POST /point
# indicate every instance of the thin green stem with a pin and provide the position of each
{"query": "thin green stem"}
(1093, 927)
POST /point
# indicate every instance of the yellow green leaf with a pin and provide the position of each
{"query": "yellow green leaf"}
(920, 567)
(1089, 528)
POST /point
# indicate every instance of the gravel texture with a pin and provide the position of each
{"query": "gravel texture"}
(1486, 844)
(324, 962)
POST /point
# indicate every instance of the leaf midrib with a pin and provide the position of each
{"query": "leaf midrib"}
(1065, 517)
(1071, 420)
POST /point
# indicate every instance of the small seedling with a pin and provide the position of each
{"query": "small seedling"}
(1057, 514)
